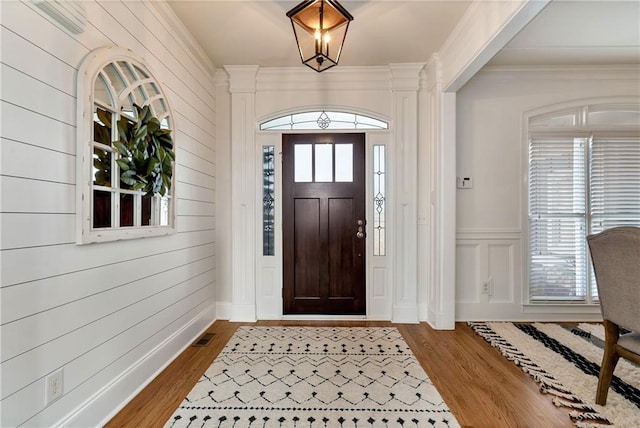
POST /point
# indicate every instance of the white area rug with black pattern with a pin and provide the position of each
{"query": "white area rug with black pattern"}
(314, 377)
(565, 361)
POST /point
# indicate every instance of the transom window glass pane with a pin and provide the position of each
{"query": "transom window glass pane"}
(303, 166)
(115, 78)
(126, 69)
(284, 122)
(613, 117)
(570, 119)
(151, 89)
(101, 91)
(315, 120)
(139, 95)
(324, 163)
(344, 162)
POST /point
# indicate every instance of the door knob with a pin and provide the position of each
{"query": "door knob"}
(360, 231)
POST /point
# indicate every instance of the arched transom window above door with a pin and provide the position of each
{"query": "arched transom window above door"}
(323, 120)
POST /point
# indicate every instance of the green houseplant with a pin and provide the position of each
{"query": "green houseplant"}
(146, 151)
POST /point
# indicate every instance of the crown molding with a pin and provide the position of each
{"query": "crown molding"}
(406, 77)
(560, 72)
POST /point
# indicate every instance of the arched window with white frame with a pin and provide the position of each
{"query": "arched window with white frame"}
(583, 178)
(112, 83)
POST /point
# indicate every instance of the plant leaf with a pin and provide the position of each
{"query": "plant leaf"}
(123, 164)
(153, 125)
(140, 132)
(127, 179)
(104, 117)
(152, 166)
(124, 151)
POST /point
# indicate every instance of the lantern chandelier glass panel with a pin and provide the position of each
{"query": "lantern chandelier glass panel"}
(320, 27)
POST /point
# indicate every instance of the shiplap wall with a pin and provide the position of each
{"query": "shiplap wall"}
(111, 314)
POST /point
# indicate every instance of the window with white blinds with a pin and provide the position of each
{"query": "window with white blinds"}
(557, 218)
(614, 183)
(580, 181)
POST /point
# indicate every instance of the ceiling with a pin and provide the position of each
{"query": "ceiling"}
(257, 32)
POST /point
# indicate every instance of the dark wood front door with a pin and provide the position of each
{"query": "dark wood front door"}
(323, 213)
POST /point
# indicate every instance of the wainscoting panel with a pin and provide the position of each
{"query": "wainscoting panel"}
(488, 276)
(467, 272)
(501, 272)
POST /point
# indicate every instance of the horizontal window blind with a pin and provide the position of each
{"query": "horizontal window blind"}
(557, 218)
(614, 185)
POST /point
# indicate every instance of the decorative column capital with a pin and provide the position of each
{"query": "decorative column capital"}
(242, 78)
(406, 77)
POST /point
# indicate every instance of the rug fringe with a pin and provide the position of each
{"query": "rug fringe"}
(591, 417)
(583, 415)
(573, 404)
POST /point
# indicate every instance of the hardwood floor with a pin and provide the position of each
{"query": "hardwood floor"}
(479, 385)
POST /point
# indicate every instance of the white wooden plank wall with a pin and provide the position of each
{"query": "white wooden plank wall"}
(97, 311)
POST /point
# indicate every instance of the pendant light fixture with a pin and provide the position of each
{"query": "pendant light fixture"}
(320, 27)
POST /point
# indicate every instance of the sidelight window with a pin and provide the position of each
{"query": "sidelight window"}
(268, 200)
(379, 200)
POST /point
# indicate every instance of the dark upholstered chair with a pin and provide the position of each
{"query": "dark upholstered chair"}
(615, 254)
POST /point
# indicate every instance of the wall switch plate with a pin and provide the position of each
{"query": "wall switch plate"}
(464, 182)
(54, 386)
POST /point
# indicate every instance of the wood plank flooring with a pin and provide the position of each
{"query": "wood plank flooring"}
(479, 385)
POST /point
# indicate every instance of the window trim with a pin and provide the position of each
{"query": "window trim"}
(88, 72)
(580, 129)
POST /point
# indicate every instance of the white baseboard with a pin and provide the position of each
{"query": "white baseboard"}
(113, 397)
(243, 313)
(223, 310)
(405, 314)
(423, 315)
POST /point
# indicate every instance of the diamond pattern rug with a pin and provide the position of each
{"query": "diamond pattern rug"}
(314, 377)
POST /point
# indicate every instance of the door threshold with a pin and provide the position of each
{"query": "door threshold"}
(323, 317)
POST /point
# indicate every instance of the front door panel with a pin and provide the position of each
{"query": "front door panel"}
(323, 211)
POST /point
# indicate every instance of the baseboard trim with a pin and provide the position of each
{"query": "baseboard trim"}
(243, 313)
(223, 310)
(407, 314)
(105, 404)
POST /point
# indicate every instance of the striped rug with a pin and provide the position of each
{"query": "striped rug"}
(565, 361)
(314, 377)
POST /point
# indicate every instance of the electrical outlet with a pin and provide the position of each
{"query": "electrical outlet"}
(485, 287)
(54, 387)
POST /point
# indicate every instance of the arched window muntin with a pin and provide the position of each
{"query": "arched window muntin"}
(323, 119)
(112, 79)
